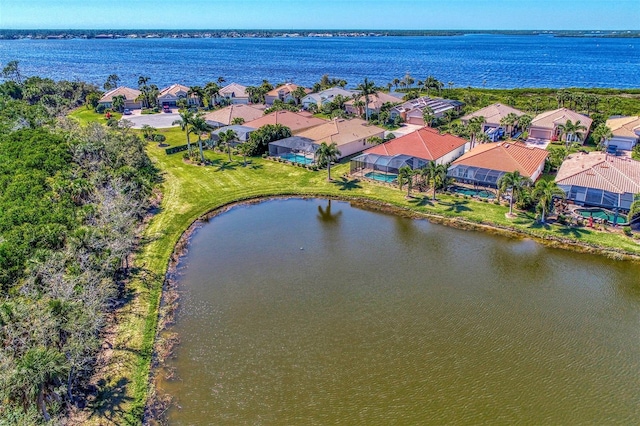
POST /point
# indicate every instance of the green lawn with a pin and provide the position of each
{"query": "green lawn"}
(189, 191)
(84, 116)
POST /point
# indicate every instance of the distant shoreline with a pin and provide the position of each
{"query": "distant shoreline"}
(106, 34)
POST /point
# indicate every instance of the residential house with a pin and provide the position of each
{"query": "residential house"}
(486, 163)
(412, 111)
(414, 149)
(226, 116)
(325, 97)
(546, 126)
(350, 136)
(242, 132)
(171, 95)
(297, 122)
(493, 116)
(283, 93)
(130, 97)
(376, 101)
(600, 180)
(626, 132)
(233, 93)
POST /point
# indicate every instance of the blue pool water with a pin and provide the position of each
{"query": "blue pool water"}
(602, 214)
(296, 158)
(474, 192)
(383, 177)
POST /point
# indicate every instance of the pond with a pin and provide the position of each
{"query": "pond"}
(318, 312)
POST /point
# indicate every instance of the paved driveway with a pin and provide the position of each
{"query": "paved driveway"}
(161, 120)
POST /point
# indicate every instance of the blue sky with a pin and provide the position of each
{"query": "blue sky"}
(326, 14)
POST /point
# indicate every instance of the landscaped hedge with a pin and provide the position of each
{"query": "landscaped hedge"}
(175, 149)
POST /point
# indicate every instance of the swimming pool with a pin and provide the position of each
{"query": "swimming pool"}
(473, 192)
(382, 177)
(296, 158)
(602, 214)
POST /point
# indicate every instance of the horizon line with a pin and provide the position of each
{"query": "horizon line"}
(315, 29)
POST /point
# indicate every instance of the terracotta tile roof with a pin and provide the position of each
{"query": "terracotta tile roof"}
(173, 90)
(286, 89)
(227, 114)
(493, 113)
(628, 127)
(425, 143)
(505, 157)
(342, 131)
(296, 122)
(601, 171)
(128, 93)
(234, 89)
(551, 119)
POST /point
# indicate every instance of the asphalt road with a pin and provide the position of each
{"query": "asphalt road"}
(160, 120)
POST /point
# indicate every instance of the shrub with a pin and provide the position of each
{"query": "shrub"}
(627, 231)
(100, 109)
(159, 138)
(264, 155)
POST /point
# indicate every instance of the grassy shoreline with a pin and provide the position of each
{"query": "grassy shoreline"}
(191, 192)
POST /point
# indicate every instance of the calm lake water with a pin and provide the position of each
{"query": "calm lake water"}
(496, 61)
(316, 312)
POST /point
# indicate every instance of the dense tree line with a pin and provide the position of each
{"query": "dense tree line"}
(71, 200)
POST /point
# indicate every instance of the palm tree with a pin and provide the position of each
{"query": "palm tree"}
(118, 103)
(524, 121)
(405, 173)
(244, 149)
(148, 131)
(514, 182)
(601, 134)
(211, 91)
(142, 85)
(197, 92)
(366, 88)
(226, 137)
(221, 80)
(326, 154)
(475, 128)
(509, 121)
(435, 175)
(428, 116)
(545, 191)
(450, 84)
(570, 130)
(184, 122)
(395, 82)
(200, 127)
(298, 94)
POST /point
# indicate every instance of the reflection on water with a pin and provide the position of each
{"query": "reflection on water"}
(382, 319)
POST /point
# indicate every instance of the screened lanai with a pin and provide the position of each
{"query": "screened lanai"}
(384, 163)
(597, 197)
(475, 175)
(295, 149)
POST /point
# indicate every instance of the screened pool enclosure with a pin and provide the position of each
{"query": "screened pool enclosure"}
(597, 197)
(365, 163)
(301, 147)
(475, 175)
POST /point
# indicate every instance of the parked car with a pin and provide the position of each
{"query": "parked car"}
(166, 108)
(127, 111)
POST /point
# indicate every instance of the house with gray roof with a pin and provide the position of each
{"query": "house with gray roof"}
(326, 96)
(411, 111)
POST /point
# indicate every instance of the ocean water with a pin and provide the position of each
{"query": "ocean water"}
(492, 61)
